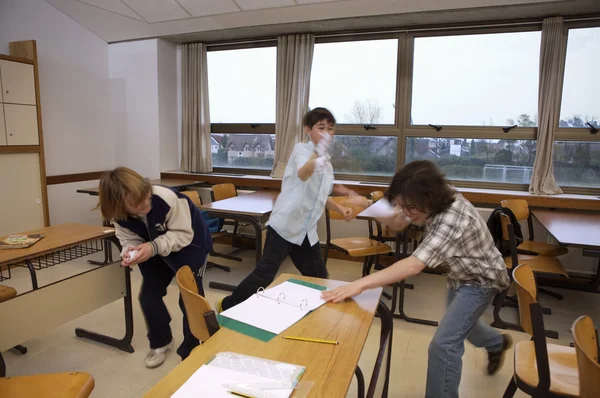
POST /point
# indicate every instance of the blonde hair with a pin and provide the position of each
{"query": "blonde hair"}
(119, 185)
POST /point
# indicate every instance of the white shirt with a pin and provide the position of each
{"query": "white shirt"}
(300, 204)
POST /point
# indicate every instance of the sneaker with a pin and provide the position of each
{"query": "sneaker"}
(219, 306)
(496, 359)
(157, 356)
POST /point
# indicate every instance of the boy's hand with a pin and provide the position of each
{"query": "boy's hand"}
(342, 293)
(323, 144)
(346, 212)
(144, 252)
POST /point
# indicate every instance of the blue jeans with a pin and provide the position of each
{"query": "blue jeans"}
(461, 321)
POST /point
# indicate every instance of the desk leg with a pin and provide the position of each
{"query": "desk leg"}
(123, 344)
(2, 366)
(34, 281)
(108, 259)
(258, 240)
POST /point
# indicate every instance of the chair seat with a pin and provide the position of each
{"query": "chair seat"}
(58, 385)
(564, 375)
(359, 247)
(6, 293)
(548, 265)
(542, 248)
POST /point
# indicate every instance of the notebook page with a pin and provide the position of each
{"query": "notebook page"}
(280, 371)
(298, 295)
(209, 381)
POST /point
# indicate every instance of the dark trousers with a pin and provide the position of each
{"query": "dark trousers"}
(307, 259)
(157, 276)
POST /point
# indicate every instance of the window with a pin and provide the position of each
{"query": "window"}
(476, 80)
(489, 160)
(241, 85)
(582, 81)
(577, 163)
(356, 80)
(247, 151)
(353, 154)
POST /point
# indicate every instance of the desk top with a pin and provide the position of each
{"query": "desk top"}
(570, 228)
(167, 182)
(331, 367)
(259, 203)
(55, 238)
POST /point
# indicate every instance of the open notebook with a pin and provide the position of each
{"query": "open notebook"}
(277, 308)
(245, 374)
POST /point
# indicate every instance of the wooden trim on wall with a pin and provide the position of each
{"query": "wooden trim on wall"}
(77, 177)
(19, 149)
(17, 58)
(474, 195)
(28, 50)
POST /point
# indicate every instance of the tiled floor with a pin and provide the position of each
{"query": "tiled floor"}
(119, 374)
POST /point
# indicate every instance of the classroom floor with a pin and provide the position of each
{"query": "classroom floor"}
(119, 374)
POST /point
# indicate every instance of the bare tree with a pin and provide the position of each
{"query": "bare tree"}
(365, 112)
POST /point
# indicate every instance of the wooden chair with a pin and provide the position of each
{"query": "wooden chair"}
(520, 209)
(385, 342)
(197, 200)
(355, 247)
(541, 370)
(201, 318)
(58, 385)
(6, 293)
(540, 264)
(222, 192)
(585, 337)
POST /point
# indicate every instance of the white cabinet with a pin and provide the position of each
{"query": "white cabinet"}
(22, 208)
(18, 83)
(2, 129)
(21, 124)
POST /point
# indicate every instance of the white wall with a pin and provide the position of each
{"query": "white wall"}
(73, 72)
(134, 106)
(168, 90)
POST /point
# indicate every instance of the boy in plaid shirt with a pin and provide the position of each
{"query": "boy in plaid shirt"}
(456, 236)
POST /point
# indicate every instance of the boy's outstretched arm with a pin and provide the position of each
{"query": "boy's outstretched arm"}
(308, 168)
(341, 190)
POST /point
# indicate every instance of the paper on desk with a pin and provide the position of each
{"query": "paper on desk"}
(383, 209)
(209, 381)
(297, 295)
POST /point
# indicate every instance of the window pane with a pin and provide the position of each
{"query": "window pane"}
(356, 80)
(364, 155)
(241, 85)
(476, 80)
(577, 163)
(249, 151)
(582, 80)
(476, 159)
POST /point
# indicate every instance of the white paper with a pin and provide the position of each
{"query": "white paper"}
(297, 295)
(273, 370)
(210, 381)
(382, 209)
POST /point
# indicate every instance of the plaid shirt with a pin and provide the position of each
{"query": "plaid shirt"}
(460, 239)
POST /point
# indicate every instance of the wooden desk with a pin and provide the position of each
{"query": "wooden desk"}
(255, 208)
(575, 229)
(175, 183)
(331, 367)
(44, 308)
(399, 287)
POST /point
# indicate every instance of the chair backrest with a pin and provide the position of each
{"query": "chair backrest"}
(509, 241)
(526, 294)
(223, 191)
(586, 346)
(194, 197)
(376, 195)
(196, 306)
(519, 207)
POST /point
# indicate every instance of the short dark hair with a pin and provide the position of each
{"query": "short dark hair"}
(314, 116)
(423, 184)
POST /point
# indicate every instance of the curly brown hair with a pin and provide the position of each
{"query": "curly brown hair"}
(424, 185)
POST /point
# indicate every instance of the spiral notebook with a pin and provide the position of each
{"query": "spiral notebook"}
(276, 309)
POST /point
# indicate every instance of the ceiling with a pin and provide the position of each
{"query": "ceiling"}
(215, 20)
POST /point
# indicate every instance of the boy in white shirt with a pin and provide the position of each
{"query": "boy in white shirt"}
(292, 227)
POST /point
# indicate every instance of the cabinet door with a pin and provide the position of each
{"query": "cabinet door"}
(18, 85)
(21, 124)
(2, 129)
(21, 199)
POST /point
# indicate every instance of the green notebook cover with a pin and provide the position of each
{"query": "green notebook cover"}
(253, 331)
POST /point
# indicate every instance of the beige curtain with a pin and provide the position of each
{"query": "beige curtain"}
(196, 156)
(294, 61)
(552, 66)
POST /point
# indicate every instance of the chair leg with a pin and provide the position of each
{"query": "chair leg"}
(360, 379)
(218, 266)
(21, 348)
(511, 389)
(550, 293)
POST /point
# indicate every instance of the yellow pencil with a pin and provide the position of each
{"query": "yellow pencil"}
(309, 339)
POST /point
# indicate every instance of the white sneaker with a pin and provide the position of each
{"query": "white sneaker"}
(157, 356)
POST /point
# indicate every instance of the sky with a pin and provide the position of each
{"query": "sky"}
(470, 80)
